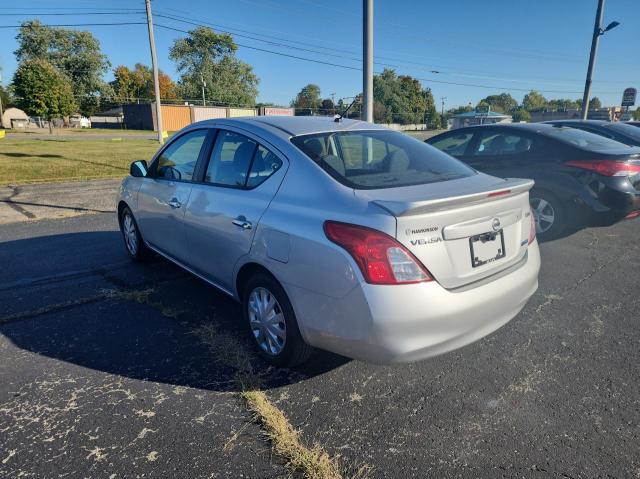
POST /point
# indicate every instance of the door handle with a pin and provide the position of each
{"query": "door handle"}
(174, 203)
(242, 222)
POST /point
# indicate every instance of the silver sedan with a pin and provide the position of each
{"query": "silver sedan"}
(336, 234)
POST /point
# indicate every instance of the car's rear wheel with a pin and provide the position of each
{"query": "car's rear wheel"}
(131, 235)
(548, 213)
(272, 322)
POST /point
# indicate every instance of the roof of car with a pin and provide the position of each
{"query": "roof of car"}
(301, 125)
(587, 122)
(520, 126)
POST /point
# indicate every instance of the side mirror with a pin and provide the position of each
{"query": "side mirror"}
(138, 169)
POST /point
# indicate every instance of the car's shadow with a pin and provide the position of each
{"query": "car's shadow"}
(149, 322)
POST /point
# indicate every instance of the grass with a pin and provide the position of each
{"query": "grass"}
(83, 131)
(39, 161)
(307, 462)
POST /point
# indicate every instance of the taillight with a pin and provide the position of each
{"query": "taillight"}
(381, 259)
(532, 227)
(606, 167)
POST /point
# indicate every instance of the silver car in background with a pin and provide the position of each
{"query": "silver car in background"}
(336, 234)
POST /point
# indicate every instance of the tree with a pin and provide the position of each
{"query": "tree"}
(133, 85)
(521, 114)
(307, 99)
(636, 114)
(404, 100)
(595, 103)
(327, 106)
(460, 109)
(563, 104)
(41, 90)
(5, 97)
(76, 54)
(502, 103)
(534, 101)
(209, 56)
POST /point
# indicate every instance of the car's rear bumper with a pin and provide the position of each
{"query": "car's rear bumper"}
(391, 324)
(614, 197)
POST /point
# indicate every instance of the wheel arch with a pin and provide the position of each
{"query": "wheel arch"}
(121, 206)
(246, 271)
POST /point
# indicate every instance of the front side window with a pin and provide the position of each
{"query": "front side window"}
(496, 144)
(454, 144)
(379, 159)
(178, 160)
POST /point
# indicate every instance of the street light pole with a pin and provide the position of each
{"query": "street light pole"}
(204, 84)
(367, 67)
(597, 33)
(154, 64)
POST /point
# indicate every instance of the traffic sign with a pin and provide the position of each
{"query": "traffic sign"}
(629, 97)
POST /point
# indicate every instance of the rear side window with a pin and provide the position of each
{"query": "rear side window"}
(264, 165)
(455, 144)
(379, 159)
(178, 160)
(230, 159)
(240, 162)
(496, 144)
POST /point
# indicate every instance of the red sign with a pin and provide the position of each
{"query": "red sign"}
(278, 111)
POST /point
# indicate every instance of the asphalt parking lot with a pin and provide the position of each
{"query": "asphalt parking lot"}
(112, 369)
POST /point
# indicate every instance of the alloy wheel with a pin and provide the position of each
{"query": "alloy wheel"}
(267, 321)
(130, 234)
(543, 214)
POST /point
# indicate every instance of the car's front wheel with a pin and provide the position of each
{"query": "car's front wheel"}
(132, 238)
(272, 322)
(548, 213)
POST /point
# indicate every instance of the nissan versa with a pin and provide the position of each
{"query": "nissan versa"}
(336, 234)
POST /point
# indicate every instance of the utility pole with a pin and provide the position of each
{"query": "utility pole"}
(597, 33)
(367, 59)
(204, 85)
(154, 64)
(1, 111)
(443, 98)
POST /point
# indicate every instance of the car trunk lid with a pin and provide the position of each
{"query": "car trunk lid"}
(462, 230)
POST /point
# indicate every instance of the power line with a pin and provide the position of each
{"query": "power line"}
(378, 72)
(421, 66)
(57, 14)
(270, 51)
(80, 24)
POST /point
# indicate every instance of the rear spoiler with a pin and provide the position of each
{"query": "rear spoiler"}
(510, 187)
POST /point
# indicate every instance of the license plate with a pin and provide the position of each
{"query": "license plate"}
(486, 248)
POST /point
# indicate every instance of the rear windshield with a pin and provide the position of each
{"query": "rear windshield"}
(624, 129)
(584, 139)
(379, 159)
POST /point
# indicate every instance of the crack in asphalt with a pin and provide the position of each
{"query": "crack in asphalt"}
(60, 277)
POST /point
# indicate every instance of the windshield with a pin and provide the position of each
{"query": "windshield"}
(379, 159)
(584, 139)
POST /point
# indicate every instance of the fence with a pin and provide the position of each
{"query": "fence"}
(176, 117)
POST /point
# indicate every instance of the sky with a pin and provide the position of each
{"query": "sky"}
(463, 50)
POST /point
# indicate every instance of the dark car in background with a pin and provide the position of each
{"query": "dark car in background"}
(579, 176)
(622, 132)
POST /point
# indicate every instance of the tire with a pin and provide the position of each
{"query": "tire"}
(133, 242)
(549, 213)
(278, 342)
